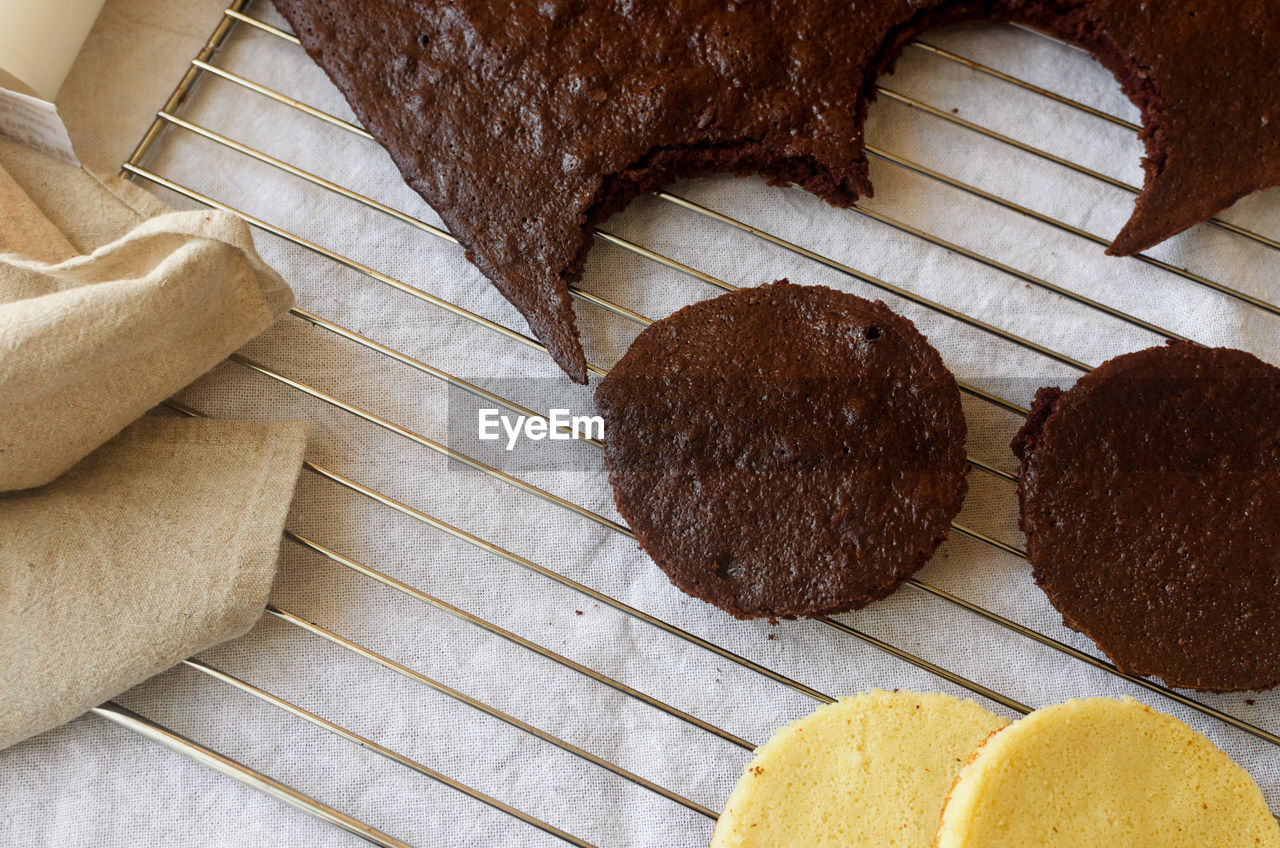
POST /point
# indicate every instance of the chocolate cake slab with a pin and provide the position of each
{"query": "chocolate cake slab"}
(1150, 499)
(785, 450)
(524, 124)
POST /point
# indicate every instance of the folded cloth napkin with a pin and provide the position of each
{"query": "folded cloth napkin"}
(156, 546)
(95, 333)
(126, 545)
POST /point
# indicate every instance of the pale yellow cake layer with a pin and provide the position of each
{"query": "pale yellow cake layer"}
(868, 771)
(1102, 773)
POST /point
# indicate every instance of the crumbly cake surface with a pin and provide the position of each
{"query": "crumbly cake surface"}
(868, 771)
(524, 124)
(785, 450)
(1102, 773)
(1150, 496)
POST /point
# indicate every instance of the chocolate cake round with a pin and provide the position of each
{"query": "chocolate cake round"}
(1151, 503)
(785, 450)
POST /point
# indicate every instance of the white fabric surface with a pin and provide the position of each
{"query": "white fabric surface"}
(92, 784)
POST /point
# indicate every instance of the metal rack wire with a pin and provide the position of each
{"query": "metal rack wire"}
(169, 118)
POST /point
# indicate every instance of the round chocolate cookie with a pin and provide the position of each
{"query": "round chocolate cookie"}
(785, 450)
(1151, 503)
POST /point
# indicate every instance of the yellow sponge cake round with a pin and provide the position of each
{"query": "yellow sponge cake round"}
(1102, 773)
(868, 771)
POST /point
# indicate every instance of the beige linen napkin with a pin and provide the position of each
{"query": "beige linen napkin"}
(156, 546)
(121, 553)
(89, 341)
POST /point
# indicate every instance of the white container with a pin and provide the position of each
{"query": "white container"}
(39, 40)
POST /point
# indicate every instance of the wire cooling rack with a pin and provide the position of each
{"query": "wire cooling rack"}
(171, 129)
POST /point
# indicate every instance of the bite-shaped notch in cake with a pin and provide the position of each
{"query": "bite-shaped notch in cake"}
(1151, 504)
(525, 125)
(785, 450)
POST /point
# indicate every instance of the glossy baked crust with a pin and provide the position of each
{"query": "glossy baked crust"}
(785, 450)
(524, 124)
(1151, 503)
